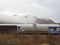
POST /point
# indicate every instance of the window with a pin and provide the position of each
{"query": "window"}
(58, 28)
(52, 29)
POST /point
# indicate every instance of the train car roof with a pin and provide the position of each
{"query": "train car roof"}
(31, 24)
(54, 26)
(48, 24)
(7, 24)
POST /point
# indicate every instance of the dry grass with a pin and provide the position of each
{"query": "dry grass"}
(14, 39)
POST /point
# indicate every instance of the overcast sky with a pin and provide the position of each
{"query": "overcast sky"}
(40, 8)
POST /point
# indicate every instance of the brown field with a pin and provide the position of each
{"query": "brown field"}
(20, 39)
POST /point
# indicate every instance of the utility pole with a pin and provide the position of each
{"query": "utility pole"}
(34, 28)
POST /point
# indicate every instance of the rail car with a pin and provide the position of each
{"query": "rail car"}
(54, 29)
(8, 28)
(31, 28)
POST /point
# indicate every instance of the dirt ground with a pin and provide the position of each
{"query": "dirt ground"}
(13, 39)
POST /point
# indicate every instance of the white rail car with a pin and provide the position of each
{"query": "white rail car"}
(39, 28)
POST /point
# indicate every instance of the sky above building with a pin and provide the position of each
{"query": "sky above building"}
(40, 8)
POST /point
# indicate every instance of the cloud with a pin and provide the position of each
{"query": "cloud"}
(48, 8)
(39, 8)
